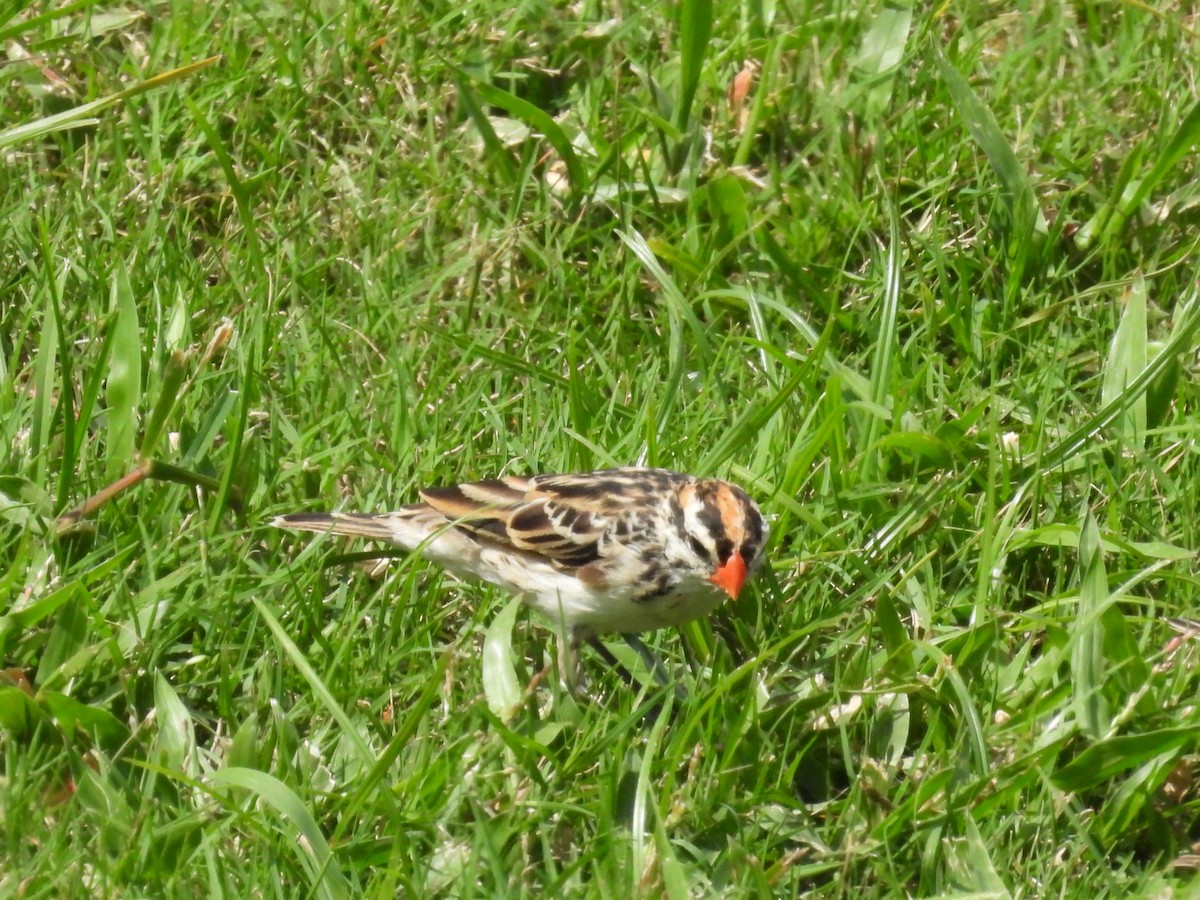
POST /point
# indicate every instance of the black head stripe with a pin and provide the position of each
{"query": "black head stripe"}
(710, 511)
(725, 549)
(677, 517)
(752, 545)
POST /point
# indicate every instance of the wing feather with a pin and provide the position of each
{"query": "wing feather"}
(562, 518)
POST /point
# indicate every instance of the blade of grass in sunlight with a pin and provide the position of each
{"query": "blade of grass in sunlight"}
(85, 114)
(1114, 755)
(881, 53)
(500, 683)
(679, 313)
(695, 31)
(967, 707)
(1026, 227)
(308, 841)
(765, 88)
(123, 387)
(969, 858)
(1137, 793)
(237, 186)
(1088, 664)
(367, 789)
(1126, 359)
(320, 691)
(44, 379)
(540, 122)
(67, 645)
(176, 738)
(640, 829)
(751, 420)
(69, 420)
(1182, 336)
(1131, 192)
(491, 142)
(170, 390)
(73, 717)
(884, 350)
(19, 712)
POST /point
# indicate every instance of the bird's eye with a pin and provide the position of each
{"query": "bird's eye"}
(698, 546)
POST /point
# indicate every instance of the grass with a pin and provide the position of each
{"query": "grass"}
(926, 287)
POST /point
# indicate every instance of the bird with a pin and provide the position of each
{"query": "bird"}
(624, 550)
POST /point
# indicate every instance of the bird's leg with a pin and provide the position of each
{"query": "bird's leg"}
(650, 716)
(570, 665)
(653, 663)
(661, 676)
(570, 672)
(613, 662)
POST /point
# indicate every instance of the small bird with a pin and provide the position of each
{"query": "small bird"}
(619, 550)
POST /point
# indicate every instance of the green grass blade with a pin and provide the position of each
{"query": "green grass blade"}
(676, 302)
(349, 729)
(540, 122)
(500, 683)
(729, 208)
(237, 187)
(34, 22)
(67, 641)
(1027, 225)
(73, 716)
(1088, 667)
(751, 421)
(491, 142)
(852, 379)
(970, 860)
(85, 113)
(367, 788)
(881, 53)
(764, 90)
(1110, 757)
(695, 31)
(1108, 219)
(1179, 147)
(176, 738)
(71, 422)
(1182, 337)
(679, 313)
(229, 494)
(169, 393)
(640, 828)
(307, 840)
(1127, 356)
(884, 351)
(1137, 794)
(33, 613)
(44, 378)
(123, 388)
(968, 709)
(20, 714)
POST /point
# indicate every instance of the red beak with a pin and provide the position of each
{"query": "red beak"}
(731, 575)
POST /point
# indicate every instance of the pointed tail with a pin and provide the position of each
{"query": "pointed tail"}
(354, 524)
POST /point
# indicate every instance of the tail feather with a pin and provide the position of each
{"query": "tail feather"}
(415, 527)
(353, 524)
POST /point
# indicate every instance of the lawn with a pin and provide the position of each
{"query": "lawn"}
(923, 279)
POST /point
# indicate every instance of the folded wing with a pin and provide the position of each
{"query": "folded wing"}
(549, 515)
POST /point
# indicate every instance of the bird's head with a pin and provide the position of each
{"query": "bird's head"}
(724, 532)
